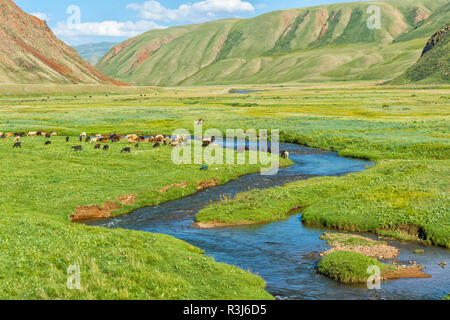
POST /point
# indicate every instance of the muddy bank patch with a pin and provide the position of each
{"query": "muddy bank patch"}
(214, 225)
(84, 213)
(405, 272)
(207, 184)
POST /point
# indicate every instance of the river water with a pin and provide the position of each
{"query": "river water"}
(280, 252)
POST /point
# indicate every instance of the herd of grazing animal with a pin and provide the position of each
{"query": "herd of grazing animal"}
(98, 139)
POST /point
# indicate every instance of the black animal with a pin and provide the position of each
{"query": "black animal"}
(106, 147)
(97, 146)
(126, 150)
(156, 145)
(47, 143)
(67, 139)
(17, 145)
(77, 148)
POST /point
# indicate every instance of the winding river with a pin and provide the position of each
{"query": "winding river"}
(280, 252)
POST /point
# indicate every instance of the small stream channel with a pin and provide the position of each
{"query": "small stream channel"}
(280, 251)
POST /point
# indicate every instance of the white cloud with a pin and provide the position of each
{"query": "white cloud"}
(105, 28)
(40, 15)
(192, 12)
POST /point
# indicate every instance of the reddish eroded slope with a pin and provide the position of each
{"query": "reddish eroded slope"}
(31, 53)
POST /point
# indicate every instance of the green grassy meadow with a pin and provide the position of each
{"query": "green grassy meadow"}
(403, 128)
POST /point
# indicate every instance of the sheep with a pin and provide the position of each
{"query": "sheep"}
(47, 143)
(17, 145)
(131, 136)
(284, 154)
(32, 134)
(126, 150)
(77, 148)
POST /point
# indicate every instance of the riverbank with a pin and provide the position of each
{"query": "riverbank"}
(401, 199)
(43, 187)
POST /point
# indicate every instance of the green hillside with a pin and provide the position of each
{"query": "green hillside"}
(434, 64)
(322, 43)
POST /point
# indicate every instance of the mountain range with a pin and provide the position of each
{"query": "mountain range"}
(321, 43)
(93, 52)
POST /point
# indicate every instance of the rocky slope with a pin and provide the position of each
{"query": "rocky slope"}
(434, 63)
(31, 53)
(321, 43)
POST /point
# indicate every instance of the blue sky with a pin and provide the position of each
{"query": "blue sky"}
(118, 20)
